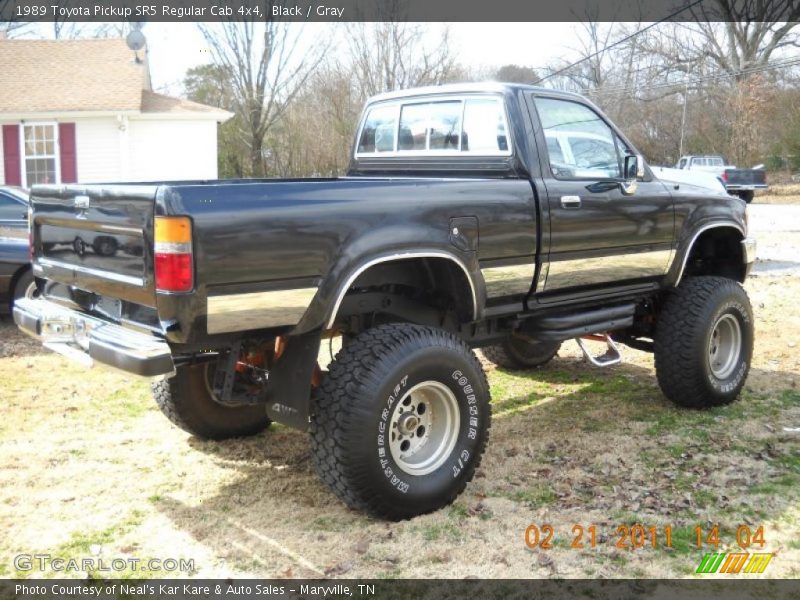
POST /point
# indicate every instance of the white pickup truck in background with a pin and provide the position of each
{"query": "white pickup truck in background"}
(740, 182)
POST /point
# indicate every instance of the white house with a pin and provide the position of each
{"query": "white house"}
(83, 111)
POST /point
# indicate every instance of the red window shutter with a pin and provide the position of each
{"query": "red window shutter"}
(66, 144)
(11, 160)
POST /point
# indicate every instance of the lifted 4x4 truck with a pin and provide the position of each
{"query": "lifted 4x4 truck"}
(502, 217)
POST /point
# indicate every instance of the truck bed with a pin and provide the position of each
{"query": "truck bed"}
(94, 243)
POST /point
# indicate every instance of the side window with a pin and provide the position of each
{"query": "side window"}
(11, 210)
(682, 164)
(484, 126)
(594, 148)
(554, 150)
(379, 130)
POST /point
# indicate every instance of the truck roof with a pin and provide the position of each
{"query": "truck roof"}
(467, 88)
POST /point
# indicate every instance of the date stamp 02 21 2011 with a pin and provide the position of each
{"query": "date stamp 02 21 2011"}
(638, 536)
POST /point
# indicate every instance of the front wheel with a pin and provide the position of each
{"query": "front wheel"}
(401, 421)
(704, 342)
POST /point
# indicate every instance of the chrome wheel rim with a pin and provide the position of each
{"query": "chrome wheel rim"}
(725, 346)
(31, 292)
(424, 428)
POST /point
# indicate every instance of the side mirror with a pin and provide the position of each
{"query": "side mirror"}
(633, 171)
(633, 167)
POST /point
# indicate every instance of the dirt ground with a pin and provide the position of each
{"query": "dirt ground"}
(89, 467)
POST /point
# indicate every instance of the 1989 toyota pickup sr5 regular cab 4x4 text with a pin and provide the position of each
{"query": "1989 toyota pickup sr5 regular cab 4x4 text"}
(505, 217)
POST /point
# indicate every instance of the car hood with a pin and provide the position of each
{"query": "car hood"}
(696, 178)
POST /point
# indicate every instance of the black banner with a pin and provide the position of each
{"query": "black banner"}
(396, 10)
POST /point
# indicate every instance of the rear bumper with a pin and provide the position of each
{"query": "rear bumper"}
(745, 187)
(87, 339)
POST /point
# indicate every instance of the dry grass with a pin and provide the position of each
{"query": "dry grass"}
(788, 193)
(89, 464)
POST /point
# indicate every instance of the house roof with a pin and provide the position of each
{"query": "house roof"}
(159, 103)
(90, 75)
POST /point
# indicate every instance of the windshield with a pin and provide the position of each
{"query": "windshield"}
(16, 192)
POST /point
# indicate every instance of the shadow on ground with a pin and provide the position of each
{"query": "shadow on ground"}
(564, 439)
(14, 343)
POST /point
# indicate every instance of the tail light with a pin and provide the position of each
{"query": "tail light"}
(724, 177)
(174, 264)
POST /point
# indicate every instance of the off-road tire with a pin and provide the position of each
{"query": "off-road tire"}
(515, 354)
(353, 410)
(186, 401)
(683, 341)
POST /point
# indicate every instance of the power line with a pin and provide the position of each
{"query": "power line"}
(687, 82)
(621, 41)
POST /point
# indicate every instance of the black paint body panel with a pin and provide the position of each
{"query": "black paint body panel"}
(260, 235)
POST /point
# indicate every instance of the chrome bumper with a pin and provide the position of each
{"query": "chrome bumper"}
(87, 339)
(749, 250)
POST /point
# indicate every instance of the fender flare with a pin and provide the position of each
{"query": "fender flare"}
(696, 236)
(354, 274)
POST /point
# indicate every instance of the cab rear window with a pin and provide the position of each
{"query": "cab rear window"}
(450, 126)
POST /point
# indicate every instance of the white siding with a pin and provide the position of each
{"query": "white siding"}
(109, 149)
(167, 150)
(97, 146)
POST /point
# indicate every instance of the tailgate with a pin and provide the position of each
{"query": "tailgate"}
(96, 238)
(745, 176)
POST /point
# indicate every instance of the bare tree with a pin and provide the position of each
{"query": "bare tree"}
(267, 68)
(752, 32)
(516, 74)
(734, 37)
(314, 136)
(11, 29)
(395, 55)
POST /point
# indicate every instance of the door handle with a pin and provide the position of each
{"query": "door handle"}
(570, 201)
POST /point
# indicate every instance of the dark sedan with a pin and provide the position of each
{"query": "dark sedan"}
(16, 279)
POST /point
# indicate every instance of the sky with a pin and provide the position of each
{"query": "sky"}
(176, 47)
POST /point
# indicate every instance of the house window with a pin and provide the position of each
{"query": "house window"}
(39, 153)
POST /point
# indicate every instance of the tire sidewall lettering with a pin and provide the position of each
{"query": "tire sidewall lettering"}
(389, 468)
(459, 463)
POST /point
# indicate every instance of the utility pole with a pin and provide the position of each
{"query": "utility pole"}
(683, 118)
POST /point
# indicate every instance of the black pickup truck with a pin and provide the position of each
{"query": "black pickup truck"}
(502, 217)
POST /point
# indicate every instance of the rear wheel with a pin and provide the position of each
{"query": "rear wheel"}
(746, 195)
(515, 353)
(188, 400)
(704, 342)
(401, 420)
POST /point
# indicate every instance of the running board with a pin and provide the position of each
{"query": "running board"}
(565, 326)
(612, 355)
